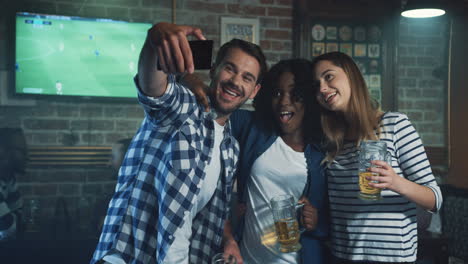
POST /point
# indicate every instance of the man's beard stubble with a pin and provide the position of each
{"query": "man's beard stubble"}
(215, 103)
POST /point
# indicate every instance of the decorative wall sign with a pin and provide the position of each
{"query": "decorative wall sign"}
(360, 50)
(374, 81)
(347, 48)
(241, 28)
(331, 33)
(360, 33)
(333, 46)
(374, 51)
(374, 66)
(346, 33)
(318, 48)
(375, 34)
(318, 32)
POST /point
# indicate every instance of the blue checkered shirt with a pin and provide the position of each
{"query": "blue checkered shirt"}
(160, 179)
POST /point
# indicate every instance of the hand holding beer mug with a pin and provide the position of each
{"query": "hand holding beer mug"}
(222, 258)
(286, 225)
(371, 150)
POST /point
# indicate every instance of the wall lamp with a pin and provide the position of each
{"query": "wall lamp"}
(421, 8)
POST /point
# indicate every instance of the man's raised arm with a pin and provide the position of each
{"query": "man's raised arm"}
(165, 51)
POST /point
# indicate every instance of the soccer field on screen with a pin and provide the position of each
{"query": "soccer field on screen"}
(75, 56)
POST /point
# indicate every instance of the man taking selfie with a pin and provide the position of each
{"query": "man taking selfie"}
(173, 190)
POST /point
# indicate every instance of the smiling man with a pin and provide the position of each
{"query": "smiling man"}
(173, 190)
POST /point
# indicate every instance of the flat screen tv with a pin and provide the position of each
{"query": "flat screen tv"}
(76, 56)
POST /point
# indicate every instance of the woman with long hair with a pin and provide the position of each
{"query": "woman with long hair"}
(383, 231)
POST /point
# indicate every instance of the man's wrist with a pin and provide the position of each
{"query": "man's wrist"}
(229, 239)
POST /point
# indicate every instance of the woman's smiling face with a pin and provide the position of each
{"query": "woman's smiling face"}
(335, 90)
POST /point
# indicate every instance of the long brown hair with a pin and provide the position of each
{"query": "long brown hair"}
(362, 113)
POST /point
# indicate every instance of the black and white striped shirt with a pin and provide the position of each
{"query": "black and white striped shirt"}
(383, 230)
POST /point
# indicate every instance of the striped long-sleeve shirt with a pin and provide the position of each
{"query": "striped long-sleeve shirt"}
(384, 230)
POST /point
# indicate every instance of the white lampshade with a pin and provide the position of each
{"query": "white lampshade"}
(423, 12)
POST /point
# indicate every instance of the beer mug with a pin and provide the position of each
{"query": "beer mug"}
(371, 150)
(287, 228)
(222, 258)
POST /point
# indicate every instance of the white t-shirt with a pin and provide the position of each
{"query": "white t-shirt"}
(179, 250)
(280, 170)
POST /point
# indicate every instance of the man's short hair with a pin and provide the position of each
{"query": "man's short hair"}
(247, 47)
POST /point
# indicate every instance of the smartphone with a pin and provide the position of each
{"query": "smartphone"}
(201, 51)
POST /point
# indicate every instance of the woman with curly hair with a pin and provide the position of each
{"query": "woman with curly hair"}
(280, 155)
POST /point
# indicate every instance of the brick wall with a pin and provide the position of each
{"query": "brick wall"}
(50, 122)
(422, 55)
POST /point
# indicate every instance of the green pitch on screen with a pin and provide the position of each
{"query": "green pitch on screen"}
(77, 57)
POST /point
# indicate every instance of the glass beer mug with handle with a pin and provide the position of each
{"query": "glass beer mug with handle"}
(370, 150)
(287, 227)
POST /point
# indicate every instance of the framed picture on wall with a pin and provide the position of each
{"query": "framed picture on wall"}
(318, 48)
(241, 28)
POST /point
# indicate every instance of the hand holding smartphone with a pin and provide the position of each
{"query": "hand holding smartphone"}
(201, 51)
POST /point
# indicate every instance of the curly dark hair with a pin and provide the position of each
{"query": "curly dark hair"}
(303, 90)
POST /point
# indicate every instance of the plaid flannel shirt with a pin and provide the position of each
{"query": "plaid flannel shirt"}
(160, 178)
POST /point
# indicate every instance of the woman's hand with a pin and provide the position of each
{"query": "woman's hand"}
(309, 215)
(198, 88)
(387, 178)
(232, 248)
